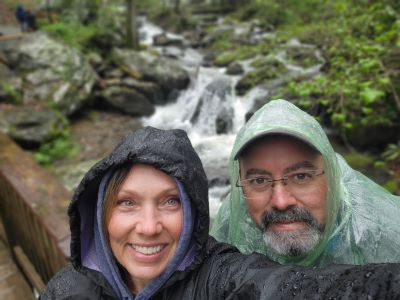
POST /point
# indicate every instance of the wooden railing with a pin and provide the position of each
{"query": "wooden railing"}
(33, 206)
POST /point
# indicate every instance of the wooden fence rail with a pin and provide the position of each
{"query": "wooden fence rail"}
(33, 207)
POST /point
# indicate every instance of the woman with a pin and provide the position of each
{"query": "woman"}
(139, 230)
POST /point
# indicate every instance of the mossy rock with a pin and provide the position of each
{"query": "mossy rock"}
(225, 58)
(269, 69)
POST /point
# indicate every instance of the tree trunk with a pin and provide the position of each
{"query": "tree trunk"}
(49, 17)
(177, 5)
(132, 35)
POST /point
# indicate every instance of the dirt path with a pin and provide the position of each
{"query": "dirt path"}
(9, 30)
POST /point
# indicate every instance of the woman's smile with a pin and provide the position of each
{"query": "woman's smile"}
(148, 250)
(145, 223)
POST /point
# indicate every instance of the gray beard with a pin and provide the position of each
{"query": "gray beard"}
(295, 242)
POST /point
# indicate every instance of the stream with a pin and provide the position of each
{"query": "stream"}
(208, 110)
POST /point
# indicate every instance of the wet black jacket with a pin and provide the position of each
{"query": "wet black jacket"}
(219, 271)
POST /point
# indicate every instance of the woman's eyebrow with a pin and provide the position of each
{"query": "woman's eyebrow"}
(300, 165)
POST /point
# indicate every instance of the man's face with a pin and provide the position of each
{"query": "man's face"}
(291, 212)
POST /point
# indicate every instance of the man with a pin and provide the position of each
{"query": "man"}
(297, 201)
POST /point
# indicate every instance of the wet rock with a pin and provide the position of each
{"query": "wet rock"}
(151, 90)
(30, 126)
(163, 40)
(195, 38)
(172, 52)
(221, 32)
(127, 101)
(224, 121)
(269, 70)
(71, 174)
(53, 72)
(95, 60)
(302, 55)
(11, 89)
(209, 58)
(213, 110)
(4, 70)
(234, 68)
(140, 65)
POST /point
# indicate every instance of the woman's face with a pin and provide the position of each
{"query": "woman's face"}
(145, 223)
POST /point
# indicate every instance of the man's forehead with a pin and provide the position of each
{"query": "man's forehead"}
(280, 142)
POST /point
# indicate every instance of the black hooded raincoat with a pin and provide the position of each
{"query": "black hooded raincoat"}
(218, 271)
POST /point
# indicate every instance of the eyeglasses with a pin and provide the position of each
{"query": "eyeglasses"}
(296, 182)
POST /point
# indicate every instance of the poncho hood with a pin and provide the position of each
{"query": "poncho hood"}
(360, 214)
(167, 150)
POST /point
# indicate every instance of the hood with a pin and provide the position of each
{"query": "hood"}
(361, 225)
(281, 116)
(166, 150)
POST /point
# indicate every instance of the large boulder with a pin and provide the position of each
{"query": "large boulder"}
(145, 66)
(213, 111)
(127, 100)
(30, 126)
(53, 73)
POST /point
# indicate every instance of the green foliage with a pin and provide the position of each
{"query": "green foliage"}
(267, 68)
(72, 33)
(239, 52)
(59, 147)
(273, 13)
(169, 19)
(391, 153)
(359, 161)
(391, 186)
(355, 89)
(13, 96)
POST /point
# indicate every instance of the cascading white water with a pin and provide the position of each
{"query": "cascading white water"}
(213, 149)
(208, 101)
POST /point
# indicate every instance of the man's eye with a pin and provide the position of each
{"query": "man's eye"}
(301, 177)
(258, 181)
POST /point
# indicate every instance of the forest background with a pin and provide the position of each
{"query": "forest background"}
(357, 93)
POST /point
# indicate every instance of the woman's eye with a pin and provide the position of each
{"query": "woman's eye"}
(173, 202)
(125, 202)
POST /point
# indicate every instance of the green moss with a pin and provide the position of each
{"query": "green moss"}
(59, 147)
(266, 69)
(225, 59)
(13, 96)
(72, 33)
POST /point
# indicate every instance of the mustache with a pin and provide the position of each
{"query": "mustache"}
(292, 214)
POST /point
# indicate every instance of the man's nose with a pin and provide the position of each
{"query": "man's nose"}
(281, 196)
(149, 222)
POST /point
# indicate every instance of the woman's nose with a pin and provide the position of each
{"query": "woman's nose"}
(149, 222)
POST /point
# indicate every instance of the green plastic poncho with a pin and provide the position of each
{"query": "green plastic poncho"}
(363, 219)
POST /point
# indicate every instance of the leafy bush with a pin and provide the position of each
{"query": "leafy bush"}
(13, 96)
(356, 89)
(72, 33)
(59, 147)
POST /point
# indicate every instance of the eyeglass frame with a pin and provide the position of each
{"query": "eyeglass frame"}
(272, 181)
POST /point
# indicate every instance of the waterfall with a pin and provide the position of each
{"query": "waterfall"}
(208, 110)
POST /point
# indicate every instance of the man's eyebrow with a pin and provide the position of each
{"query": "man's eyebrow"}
(255, 171)
(300, 165)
